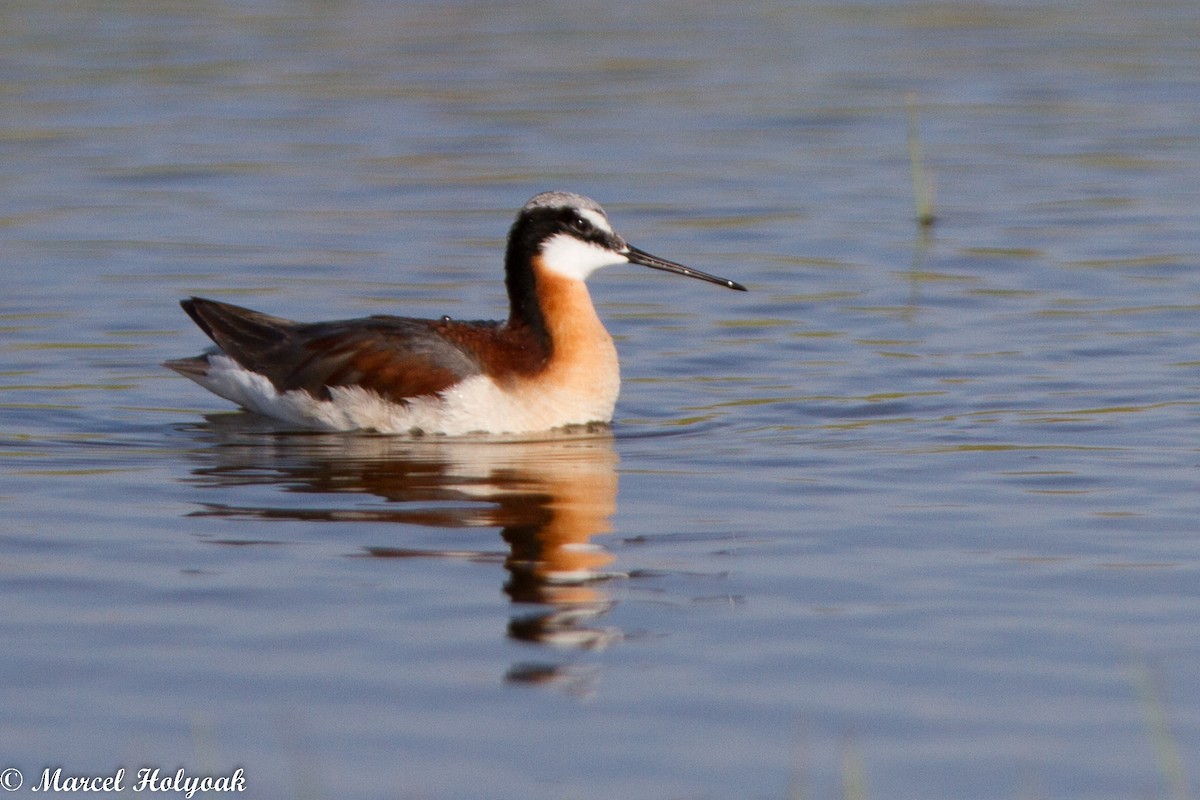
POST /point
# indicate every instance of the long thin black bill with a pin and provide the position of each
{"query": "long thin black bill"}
(637, 256)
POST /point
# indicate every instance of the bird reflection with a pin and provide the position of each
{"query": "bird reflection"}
(550, 498)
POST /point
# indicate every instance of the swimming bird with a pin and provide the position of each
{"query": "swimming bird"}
(550, 365)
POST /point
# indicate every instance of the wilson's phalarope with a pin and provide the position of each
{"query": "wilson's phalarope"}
(550, 365)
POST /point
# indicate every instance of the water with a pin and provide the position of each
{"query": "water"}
(917, 514)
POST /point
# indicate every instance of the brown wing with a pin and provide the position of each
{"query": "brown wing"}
(397, 357)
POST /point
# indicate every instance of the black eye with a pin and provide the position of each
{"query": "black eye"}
(580, 224)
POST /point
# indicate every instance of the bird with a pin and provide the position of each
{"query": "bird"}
(550, 365)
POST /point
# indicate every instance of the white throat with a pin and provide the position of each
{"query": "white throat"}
(576, 259)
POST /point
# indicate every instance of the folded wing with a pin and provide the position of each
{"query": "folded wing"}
(397, 357)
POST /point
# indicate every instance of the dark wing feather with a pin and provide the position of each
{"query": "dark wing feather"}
(397, 357)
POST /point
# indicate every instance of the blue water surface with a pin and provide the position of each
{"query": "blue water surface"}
(913, 518)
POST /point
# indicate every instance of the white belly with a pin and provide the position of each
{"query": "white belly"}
(476, 405)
